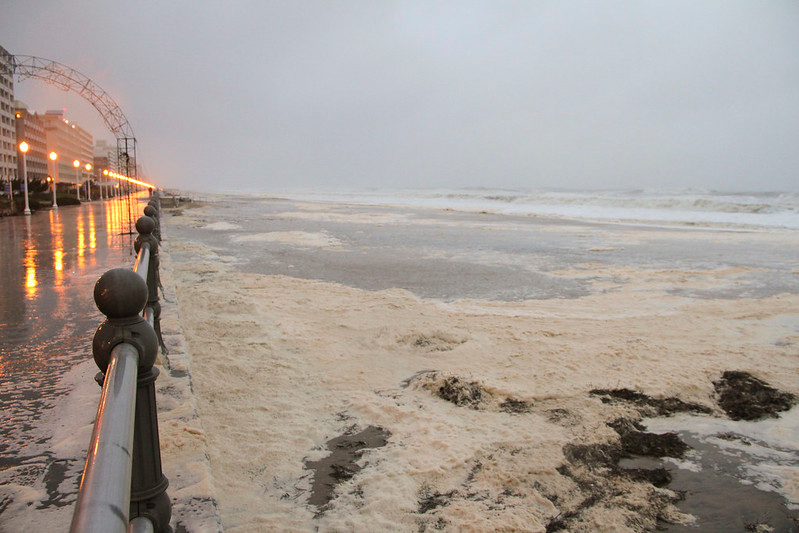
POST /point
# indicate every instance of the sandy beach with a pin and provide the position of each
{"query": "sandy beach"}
(470, 365)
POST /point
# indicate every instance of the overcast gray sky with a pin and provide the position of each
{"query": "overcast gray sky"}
(264, 95)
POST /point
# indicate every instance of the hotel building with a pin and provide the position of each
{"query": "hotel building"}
(30, 128)
(8, 139)
(70, 142)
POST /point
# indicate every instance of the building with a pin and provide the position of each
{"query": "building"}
(8, 140)
(30, 128)
(105, 156)
(71, 143)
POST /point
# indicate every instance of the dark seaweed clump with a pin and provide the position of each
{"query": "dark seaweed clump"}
(635, 441)
(745, 397)
(650, 406)
(594, 467)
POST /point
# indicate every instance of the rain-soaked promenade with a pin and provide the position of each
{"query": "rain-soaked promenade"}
(49, 263)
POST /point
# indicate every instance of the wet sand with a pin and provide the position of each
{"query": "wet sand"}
(474, 341)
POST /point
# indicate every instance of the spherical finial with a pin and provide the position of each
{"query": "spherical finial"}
(145, 225)
(150, 211)
(120, 293)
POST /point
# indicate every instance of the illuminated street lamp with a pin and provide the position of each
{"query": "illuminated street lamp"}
(76, 164)
(23, 147)
(105, 183)
(53, 157)
(89, 182)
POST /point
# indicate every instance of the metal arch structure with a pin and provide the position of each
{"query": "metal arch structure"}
(69, 79)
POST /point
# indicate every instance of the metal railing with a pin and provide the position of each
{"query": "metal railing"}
(123, 488)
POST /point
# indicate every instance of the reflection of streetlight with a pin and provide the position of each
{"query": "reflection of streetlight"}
(53, 157)
(23, 147)
(76, 164)
(89, 182)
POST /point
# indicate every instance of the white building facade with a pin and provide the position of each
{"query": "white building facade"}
(71, 143)
(8, 136)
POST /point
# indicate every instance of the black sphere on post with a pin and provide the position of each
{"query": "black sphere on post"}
(152, 212)
(145, 225)
(120, 293)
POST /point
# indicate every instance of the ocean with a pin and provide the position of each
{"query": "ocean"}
(707, 208)
(463, 332)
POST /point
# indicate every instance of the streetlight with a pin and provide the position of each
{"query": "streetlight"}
(105, 183)
(23, 147)
(53, 157)
(76, 164)
(89, 181)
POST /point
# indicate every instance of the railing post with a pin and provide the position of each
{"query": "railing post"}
(122, 344)
(152, 211)
(145, 226)
(148, 484)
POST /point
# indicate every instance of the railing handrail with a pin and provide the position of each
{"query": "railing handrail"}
(125, 433)
(142, 261)
(104, 497)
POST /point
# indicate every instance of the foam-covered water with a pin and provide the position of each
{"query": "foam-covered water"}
(764, 210)
(352, 315)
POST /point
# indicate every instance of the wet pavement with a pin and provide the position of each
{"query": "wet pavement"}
(49, 263)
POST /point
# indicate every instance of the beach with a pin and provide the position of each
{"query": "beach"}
(470, 370)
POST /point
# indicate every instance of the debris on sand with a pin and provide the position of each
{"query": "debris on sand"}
(745, 397)
(460, 392)
(465, 393)
(433, 342)
(516, 407)
(430, 499)
(453, 389)
(595, 470)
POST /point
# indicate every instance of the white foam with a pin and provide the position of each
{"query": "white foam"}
(221, 226)
(281, 365)
(292, 238)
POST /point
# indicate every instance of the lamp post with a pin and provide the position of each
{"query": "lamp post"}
(23, 147)
(89, 182)
(76, 164)
(53, 157)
